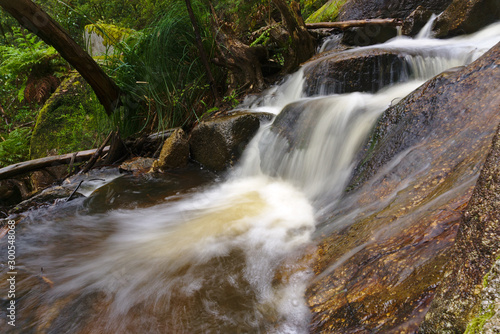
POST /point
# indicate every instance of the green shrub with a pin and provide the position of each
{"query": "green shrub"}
(16, 147)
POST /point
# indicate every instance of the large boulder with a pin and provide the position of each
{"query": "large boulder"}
(68, 121)
(466, 17)
(353, 71)
(217, 143)
(369, 9)
(387, 244)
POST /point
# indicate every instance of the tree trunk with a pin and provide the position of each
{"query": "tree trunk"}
(299, 44)
(37, 21)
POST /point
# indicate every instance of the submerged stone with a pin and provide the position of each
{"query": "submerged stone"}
(47, 197)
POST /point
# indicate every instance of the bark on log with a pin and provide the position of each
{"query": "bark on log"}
(28, 166)
(40, 23)
(355, 23)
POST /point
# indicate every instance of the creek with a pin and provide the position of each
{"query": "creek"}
(191, 252)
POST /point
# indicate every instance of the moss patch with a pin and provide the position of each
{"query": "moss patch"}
(110, 33)
(327, 13)
(71, 120)
(476, 325)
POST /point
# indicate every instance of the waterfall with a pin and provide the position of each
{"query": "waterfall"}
(234, 257)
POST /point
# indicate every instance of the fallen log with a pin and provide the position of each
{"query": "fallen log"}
(355, 23)
(32, 165)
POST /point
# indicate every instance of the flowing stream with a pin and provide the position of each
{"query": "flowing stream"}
(230, 256)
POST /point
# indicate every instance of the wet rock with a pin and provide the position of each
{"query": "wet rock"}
(137, 165)
(388, 242)
(425, 111)
(42, 179)
(368, 35)
(416, 21)
(490, 297)
(49, 196)
(219, 142)
(466, 17)
(148, 145)
(175, 151)
(474, 253)
(28, 289)
(294, 125)
(362, 71)
(368, 9)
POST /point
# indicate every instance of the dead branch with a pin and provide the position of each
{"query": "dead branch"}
(355, 23)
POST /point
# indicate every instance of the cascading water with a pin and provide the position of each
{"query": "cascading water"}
(231, 258)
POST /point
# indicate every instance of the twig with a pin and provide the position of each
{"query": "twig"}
(74, 191)
(96, 155)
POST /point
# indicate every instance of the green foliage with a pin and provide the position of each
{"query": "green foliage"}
(243, 15)
(15, 148)
(26, 51)
(308, 7)
(476, 325)
(262, 39)
(161, 71)
(25, 57)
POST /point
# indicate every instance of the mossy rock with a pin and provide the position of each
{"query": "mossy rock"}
(327, 13)
(69, 121)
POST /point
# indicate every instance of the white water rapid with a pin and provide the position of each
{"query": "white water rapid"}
(233, 258)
